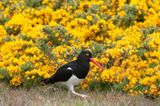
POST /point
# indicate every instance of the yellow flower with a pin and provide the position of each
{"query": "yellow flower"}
(122, 13)
(2, 33)
(33, 77)
(89, 18)
(16, 81)
(94, 28)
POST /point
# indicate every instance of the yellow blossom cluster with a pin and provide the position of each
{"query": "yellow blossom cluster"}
(2, 33)
(38, 36)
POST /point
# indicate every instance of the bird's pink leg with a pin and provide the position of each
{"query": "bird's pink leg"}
(71, 89)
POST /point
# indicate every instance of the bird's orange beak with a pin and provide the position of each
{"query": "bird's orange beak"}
(96, 63)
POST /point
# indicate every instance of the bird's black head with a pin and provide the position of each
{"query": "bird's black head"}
(84, 56)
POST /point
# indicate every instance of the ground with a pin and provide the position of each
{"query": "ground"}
(46, 96)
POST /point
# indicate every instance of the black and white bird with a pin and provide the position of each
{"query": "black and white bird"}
(74, 72)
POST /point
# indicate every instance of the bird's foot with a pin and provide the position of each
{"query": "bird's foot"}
(81, 95)
(84, 96)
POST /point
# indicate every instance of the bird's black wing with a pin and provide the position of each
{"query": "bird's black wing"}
(62, 74)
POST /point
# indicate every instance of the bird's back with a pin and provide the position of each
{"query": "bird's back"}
(67, 70)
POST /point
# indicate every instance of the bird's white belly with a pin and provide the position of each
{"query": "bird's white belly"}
(73, 80)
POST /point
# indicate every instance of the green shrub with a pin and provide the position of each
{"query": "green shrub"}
(33, 3)
(28, 83)
(4, 74)
(27, 66)
(129, 18)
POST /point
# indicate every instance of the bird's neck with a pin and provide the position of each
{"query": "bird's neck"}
(84, 64)
(82, 61)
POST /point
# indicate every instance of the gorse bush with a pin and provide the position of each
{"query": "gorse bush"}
(38, 36)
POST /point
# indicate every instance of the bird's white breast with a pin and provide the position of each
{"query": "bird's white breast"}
(73, 80)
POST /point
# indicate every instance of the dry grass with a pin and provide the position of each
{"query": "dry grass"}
(45, 96)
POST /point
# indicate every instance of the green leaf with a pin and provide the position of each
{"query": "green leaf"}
(118, 38)
(3, 19)
(152, 65)
(7, 39)
(149, 30)
(27, 66)
(97, 48)
(5, 74)
(32, 82)
(140, 52)
(138, 87)
(33, 3)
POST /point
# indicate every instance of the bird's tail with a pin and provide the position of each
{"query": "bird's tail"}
(46, 81)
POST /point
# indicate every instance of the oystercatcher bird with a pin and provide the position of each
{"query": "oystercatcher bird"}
(74, 72)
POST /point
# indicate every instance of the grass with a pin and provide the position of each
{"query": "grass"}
(46, 96)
